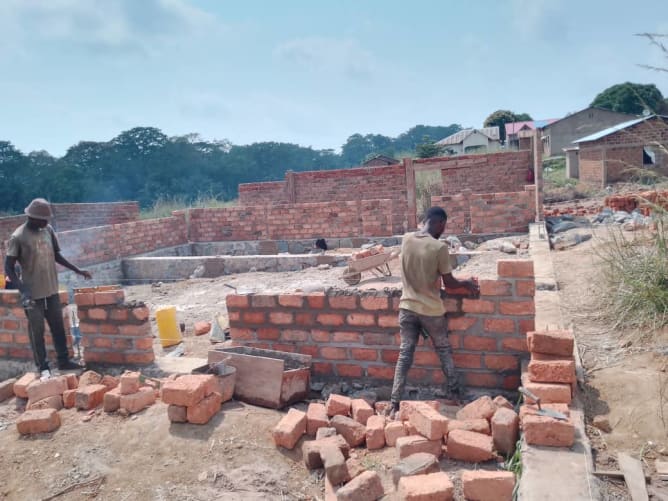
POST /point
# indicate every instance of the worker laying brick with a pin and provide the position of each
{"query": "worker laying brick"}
(425, 264)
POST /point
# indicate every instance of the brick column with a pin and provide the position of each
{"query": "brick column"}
(410, 193)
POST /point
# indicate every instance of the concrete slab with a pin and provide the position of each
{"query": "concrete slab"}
(178, 365)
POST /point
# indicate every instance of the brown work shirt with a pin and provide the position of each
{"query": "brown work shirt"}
(36, 251)
(424, 260)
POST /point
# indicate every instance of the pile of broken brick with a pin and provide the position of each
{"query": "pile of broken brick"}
(420, 434)
(191, 398)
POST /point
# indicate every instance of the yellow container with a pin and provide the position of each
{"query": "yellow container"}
(168, 328)
(3, 281)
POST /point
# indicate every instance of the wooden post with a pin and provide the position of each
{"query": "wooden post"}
(538, 173)
(410, 194)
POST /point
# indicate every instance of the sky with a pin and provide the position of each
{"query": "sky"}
(304, 71)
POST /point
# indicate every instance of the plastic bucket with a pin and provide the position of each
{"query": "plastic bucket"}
(168, 328)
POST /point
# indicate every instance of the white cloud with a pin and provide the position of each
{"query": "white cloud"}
(329, 55)
(538, 18)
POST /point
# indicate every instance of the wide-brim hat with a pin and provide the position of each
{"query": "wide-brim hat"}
(39, 209)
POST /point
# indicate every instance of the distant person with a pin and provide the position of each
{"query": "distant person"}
(425, 264)
(321, 244)
(35, 247)
(530, 176)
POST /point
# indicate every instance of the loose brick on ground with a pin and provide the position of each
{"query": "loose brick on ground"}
(550, 369)
(407, 407)
(366, 486)
(477, 425)
(420, 463)
(7, 389)
(429, 487)
(316, 418)
(136, 402)
(501, 401)
(353, 432)
(361, 410)
(72, 381)
(482, 408)
(543, 430)
(335, 464)
(202, 327)
(410, 428)
(428, 422)
(89, 396)
(177, 413)
(290, 429)
(52, 402)
(129, 382)
(393, 431)
(354, 467)
(205, 409)
(311, 450)
(186, 390)
(110, 382)
(21, 386)
(88, 378)
(38, 390)
(417, 443)
(38, 421)
(482, 485)
(375, 432)
(69, 398)
(112, 400)
(505, 430)
(470, 446)
(338, 405)
(323, 432)
(558, 342)
(558, 393)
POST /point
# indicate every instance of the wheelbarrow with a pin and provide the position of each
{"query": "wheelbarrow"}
(377, 264)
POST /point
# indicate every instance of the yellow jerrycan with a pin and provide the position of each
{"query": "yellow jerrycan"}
(168, 328)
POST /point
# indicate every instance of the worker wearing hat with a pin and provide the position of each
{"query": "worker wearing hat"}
(35, 247)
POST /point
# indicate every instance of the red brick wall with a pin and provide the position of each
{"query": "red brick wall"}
(263, 193)
(591, 166)
(291, 221)
(619, 159)
(489, 212)
(355, 334)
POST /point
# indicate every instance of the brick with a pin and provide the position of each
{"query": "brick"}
(290, 429)
(205, 409)
(515, 268)
(38, 421)
(335, 464)
(375, 432)
(97, 314)
(139, 401)
(72, 381)
(533, 409)
(374, 303)
(557, 343)
(393, 431)
(88, 378)
(460, 323)
(482, 485)
(482, 408)
(7, 389)
(338, 405)
(21, 386)
(496, 288)
(263, 301)
(316, 300)
(361, 319)
(90, 396)
(119, 314)
(135, 330)
(410, 429)
(109, 297)
(186, 390)
(407, 407)
(281, 318)
(476, 425)
(84, 299)
(323, 432)
(391, 321)
(478, 343)
(291, 300)
(429, 422)
(110, 382)
(549, 369)
(311, 450)
(543, 430)
(69, 398)
(500, 402)
(549, 392)
(478, 306)
(354, 468)
(177, 413)
(52, 402)
(413, 444)
(505, 429)
(37, 390)
(316, 418)
(237, 301)
(366, 486)
(470, 446)
(361, 410)
(420, 463)
(517, 308)
(376, 372)
(514, 344)
(525, 288)
(139, 358)
(253, 317)
(140, 313)
(202, 327)
(502, 363)
(353, 432)
(430, 487)
(111, 401)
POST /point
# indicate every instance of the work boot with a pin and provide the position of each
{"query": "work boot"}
(392, 411)
(68, 365)
(44, 375)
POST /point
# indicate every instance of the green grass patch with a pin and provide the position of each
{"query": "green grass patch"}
(164, 206)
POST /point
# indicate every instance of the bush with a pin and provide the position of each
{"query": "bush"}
(164, 206)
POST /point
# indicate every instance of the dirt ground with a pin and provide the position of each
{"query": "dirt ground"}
(626, 379)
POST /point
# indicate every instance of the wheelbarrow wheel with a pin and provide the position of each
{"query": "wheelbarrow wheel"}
(351, 277)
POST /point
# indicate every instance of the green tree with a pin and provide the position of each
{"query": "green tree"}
(428, 148)
(631, 98)
(501, 117)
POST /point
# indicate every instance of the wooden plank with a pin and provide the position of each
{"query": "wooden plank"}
(633, 476)
(615, 474)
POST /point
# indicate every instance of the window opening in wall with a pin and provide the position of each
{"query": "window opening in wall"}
(648, 156)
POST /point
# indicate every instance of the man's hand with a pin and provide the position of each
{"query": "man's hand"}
(86, 274)
(473, 286)
(26, 299)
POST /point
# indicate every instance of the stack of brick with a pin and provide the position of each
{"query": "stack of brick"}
(419, 434)
(192, 398)
(129, 396)
(551, 376)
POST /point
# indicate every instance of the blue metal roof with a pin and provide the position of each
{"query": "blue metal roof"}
(611, 130)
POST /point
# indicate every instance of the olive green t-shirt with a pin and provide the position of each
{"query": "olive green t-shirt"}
(35, 251)
(423, 260)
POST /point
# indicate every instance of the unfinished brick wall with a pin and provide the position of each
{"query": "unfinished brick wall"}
(355, 334)
(620, 159)
(591, 166)
(489, 212)
(291, 221)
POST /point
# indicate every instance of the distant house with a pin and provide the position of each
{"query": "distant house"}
(607, 156)
(380, 160)
(561, 133)
(485, 140)
(513, 130)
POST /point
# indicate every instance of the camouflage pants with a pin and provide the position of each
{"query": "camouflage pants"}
(411, 325)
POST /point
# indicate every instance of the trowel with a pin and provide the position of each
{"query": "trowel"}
(542, 412)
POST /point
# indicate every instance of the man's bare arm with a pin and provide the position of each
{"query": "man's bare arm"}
(60, 259)
(10, 271)
(451, 282)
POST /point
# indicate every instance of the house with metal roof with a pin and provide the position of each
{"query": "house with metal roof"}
(623, 151)
(513, 130)
(484, 140)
